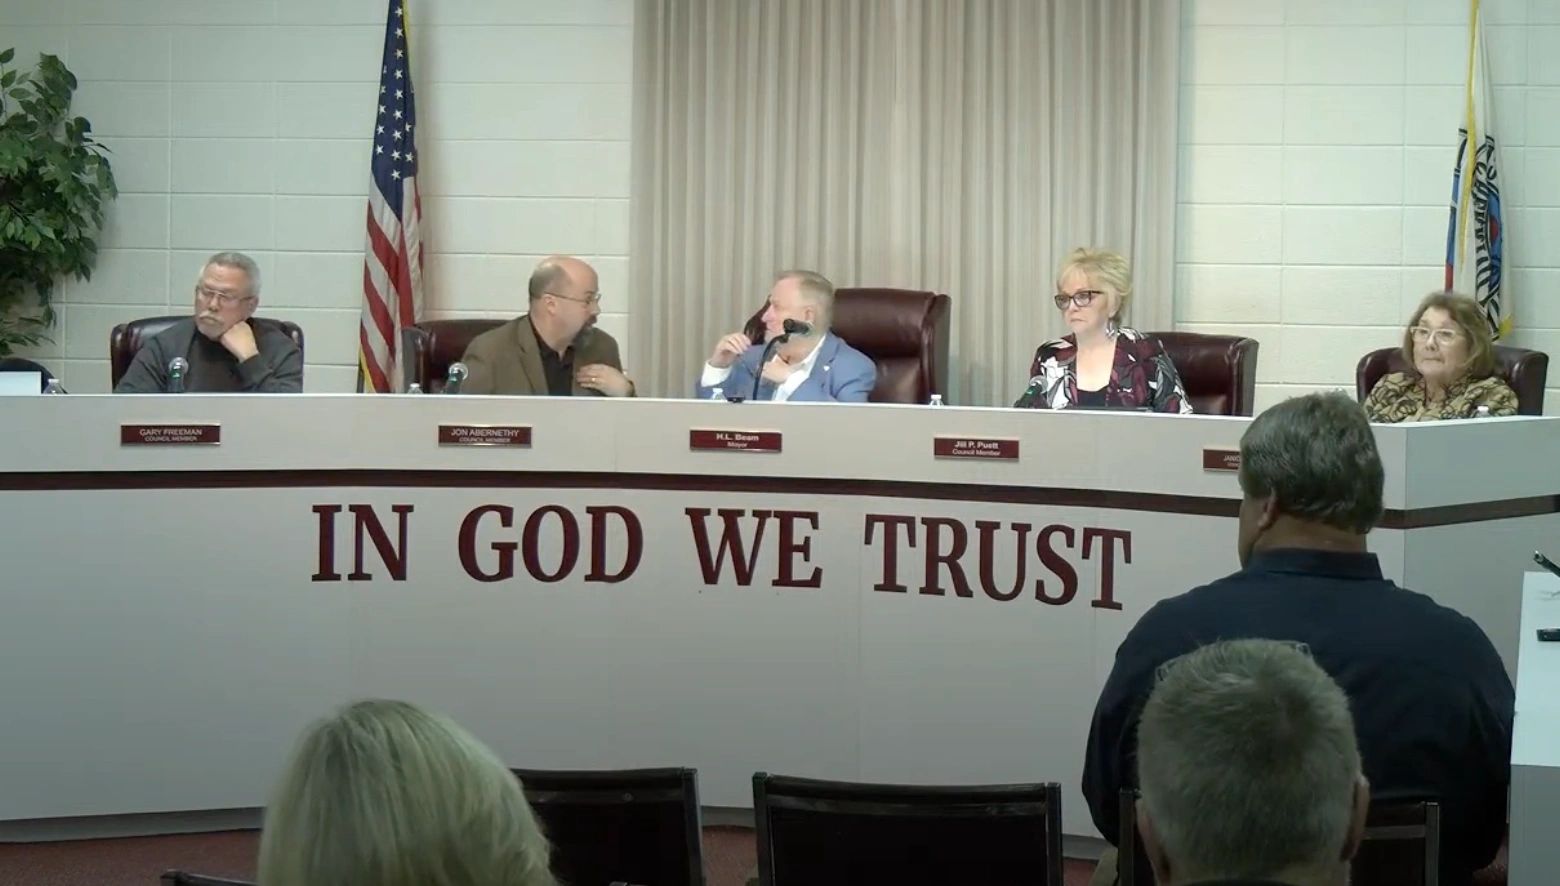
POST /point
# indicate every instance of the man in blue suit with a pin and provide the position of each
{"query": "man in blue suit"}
(815, 366)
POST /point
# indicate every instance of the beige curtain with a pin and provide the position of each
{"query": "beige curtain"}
(957, 145)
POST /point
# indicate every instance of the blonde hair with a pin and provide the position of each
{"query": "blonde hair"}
(1467, 316)
(1103, 268)
(384, 793)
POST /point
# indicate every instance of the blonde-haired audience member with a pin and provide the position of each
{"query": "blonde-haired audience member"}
(384, 793)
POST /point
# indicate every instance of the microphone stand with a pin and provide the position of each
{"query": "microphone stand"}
(769, 351)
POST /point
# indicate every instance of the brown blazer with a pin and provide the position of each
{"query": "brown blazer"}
(508, 361)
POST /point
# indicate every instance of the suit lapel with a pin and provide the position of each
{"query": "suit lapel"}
(530, 356)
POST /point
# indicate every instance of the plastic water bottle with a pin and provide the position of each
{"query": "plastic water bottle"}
(414, 388)
(717, 394)
(1482, 412)
(54, 387)
(936, 400)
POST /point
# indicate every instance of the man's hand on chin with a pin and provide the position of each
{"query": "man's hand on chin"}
(240, 341)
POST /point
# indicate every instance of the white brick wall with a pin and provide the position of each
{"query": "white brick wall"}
(1317, 139)
(244, 124)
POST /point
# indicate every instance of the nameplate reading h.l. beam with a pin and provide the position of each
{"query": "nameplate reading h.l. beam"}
(998, 448)
(484, 435)
(1221, 459)
(704, 439)
(195, 434)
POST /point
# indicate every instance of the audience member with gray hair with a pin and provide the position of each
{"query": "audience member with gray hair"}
(1248, 769)
(384, 793)
(225, 348)
(1431, 699)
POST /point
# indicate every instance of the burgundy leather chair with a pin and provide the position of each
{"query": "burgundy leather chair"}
(1219, 372)
(1526, 371)
(127, 338)
(429, 348)
(904, 331)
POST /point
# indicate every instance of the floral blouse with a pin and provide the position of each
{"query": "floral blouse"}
(1399, 396)
(1141, 378)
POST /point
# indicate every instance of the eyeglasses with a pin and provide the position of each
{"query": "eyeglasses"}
(1442, 337)
(1082, 298)
(225, 299)
(593, 299)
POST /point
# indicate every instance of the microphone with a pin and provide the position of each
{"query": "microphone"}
(176, 369)
(797, 327)
(790, 327)
(454, 376)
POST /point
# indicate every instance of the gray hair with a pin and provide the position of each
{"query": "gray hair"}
(1316, 454)
(387, 794)
(242, 262)
(1247, 761)
(814, 287)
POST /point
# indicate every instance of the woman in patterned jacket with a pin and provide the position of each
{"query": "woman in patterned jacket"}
(1101, 364)
(1448, 345)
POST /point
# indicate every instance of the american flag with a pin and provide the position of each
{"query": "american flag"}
(392, 260)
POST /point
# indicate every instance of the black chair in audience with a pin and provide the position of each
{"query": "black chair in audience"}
(822, 833)
(1401, 845)
(180, 878)
(22, 364)
(637, 826)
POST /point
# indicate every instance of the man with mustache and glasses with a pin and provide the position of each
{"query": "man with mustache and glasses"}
(227, 350)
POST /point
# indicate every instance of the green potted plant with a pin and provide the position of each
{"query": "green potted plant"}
(54, 182)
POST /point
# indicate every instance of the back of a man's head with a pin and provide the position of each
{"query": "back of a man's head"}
(1248, 768)
(1316, 457)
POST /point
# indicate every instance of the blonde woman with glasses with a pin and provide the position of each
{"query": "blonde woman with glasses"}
(386, 794)
(1453, 358)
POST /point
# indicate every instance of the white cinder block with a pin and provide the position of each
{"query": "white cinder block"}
(29, 13)
(123, 276)
(119, 53)
(1541, 182)
(316, 280)
(490, 283)
(1509, 122)
(1546, 340)
(1543, 55)
(1356, 54)
(328, 110)
(518, 169)
(136, 221)
(1343, 115)
(1269, 342)
(1327, 355)
(1232, 115)
(1233, 55)
(1345, 12)
(1230, 174)
(31, 41)
(1427, 176)
(223, 166)
(1271, 395)
(1424, 234)
(1417, 283)
(87, 326)
(224, 110)
(170, 12)
(1227, 294)
(1229, 234)
(1431, 115)
(1347, 296)
(1543, 118)
(321, 224)
(216, 222)
(1533, 298)
(1535, 237)
(338, 167)
(329, 336)
(1437, 55)
(611, 227)
(1508, 48)
(1544, 12)
(140, 165)
(1342, 176)
(527, 54)
(318, 379)
(134, 110)
(225, 54)
(526, 111)
(331, 54)
(536, 12)
(85, 376)
(340, 12)
(510, 225)
(1511, 173)
(1342, 236)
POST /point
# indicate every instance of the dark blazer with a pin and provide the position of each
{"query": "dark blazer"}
(277, 369)
(508, 360)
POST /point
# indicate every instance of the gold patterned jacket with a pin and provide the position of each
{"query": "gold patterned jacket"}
(1399, 396)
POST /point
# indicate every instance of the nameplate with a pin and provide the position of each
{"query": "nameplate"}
(735, 441)
(1221, 459)
(484, 435)
(170, 435)
(999, 448)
